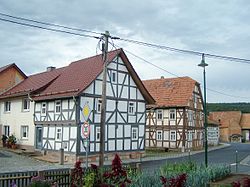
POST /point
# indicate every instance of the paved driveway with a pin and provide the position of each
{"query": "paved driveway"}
(11, 162)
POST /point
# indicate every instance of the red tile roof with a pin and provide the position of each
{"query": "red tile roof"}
(73, 79)
(12, 65)
(171, 92)
(33, 83)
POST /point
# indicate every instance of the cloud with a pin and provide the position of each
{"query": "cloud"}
(217, 27)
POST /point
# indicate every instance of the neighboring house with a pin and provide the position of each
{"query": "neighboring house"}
(230, 128)
(245, 126)
(17, 107)
(10, 75)
(176, 120)
(213, 132)
(75, 97)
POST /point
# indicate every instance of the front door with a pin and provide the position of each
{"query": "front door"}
(39, 137)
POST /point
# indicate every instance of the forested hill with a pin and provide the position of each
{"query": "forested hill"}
(243, 107)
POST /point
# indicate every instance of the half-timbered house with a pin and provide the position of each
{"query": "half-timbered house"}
(74, 98)
(17, 107)
(176, 120)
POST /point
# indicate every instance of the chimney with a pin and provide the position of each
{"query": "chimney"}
(50, 68)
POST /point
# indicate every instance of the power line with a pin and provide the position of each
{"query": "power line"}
(49, 24)
(191, 52)
(211, 90)
(49, 29)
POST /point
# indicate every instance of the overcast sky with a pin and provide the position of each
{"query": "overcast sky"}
(217, 27)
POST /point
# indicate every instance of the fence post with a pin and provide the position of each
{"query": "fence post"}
(61, 156)
(236, 161)
(41, 174)
(138, 167)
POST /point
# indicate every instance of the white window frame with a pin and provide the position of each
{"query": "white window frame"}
(172, 135)
(131, 108)
(7, 106)
(134, 133)
(6, 130)
(172, 114)
(43, 109)
(27, 101)
(24, 129)
(58, 105)
(98, 134)
(99, 105)
(58, 133)
(158, 135)
(113, 76)
(159, 113)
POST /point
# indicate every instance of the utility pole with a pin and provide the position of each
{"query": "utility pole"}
(103, 106)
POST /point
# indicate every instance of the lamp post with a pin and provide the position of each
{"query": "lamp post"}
(204, 64)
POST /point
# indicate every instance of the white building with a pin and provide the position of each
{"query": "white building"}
(17, 107)
(70, 96)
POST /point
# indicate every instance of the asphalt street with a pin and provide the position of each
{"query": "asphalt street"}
(225, 155)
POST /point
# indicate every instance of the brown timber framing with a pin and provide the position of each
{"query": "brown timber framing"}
(181, 127)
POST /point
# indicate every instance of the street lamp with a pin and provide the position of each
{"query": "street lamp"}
(204, 64)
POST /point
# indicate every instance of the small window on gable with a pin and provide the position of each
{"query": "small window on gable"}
(99, 105)
(44, 108)
(172, 114)
(159, 114)
(98, 134)
(131, 108)
(59, 134)
(58, 107)
(26, 104)
(7, 106)
(113, 76)
(134, 133)
(159, 135)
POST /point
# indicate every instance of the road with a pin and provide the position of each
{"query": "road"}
(225, 155)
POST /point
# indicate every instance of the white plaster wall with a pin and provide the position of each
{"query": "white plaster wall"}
(17, 118)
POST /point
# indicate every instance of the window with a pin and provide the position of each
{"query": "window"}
(190, 136)
(172, 135)
(172, 114)
(159, 114)
(43, 109)
(7, 105)
(131, 108)
(26, 104)
(24, 132)
(159, 135)
(58, 107)
(58, 134)
(98, 134)
(113, 76)
(190, 115)
(134, 133)
(99, 105)
(6, 130)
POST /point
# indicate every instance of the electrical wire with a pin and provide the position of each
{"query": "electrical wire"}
(191, 52)
(49, 29)
(211, 90)
(49, 24)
